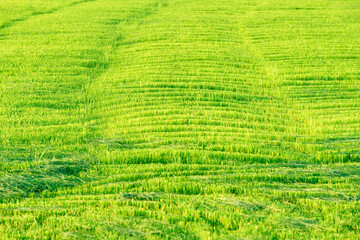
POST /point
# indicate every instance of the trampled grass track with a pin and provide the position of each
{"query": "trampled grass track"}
(180, 119)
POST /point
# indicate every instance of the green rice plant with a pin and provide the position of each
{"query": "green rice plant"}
(176, 119)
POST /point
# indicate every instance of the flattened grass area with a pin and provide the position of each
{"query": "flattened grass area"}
(177, 119)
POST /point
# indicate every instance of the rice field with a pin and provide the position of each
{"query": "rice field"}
(178, 119)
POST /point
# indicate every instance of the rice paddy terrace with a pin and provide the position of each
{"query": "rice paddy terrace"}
(148, 119)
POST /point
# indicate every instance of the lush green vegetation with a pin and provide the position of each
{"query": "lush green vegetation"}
(156, 119)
